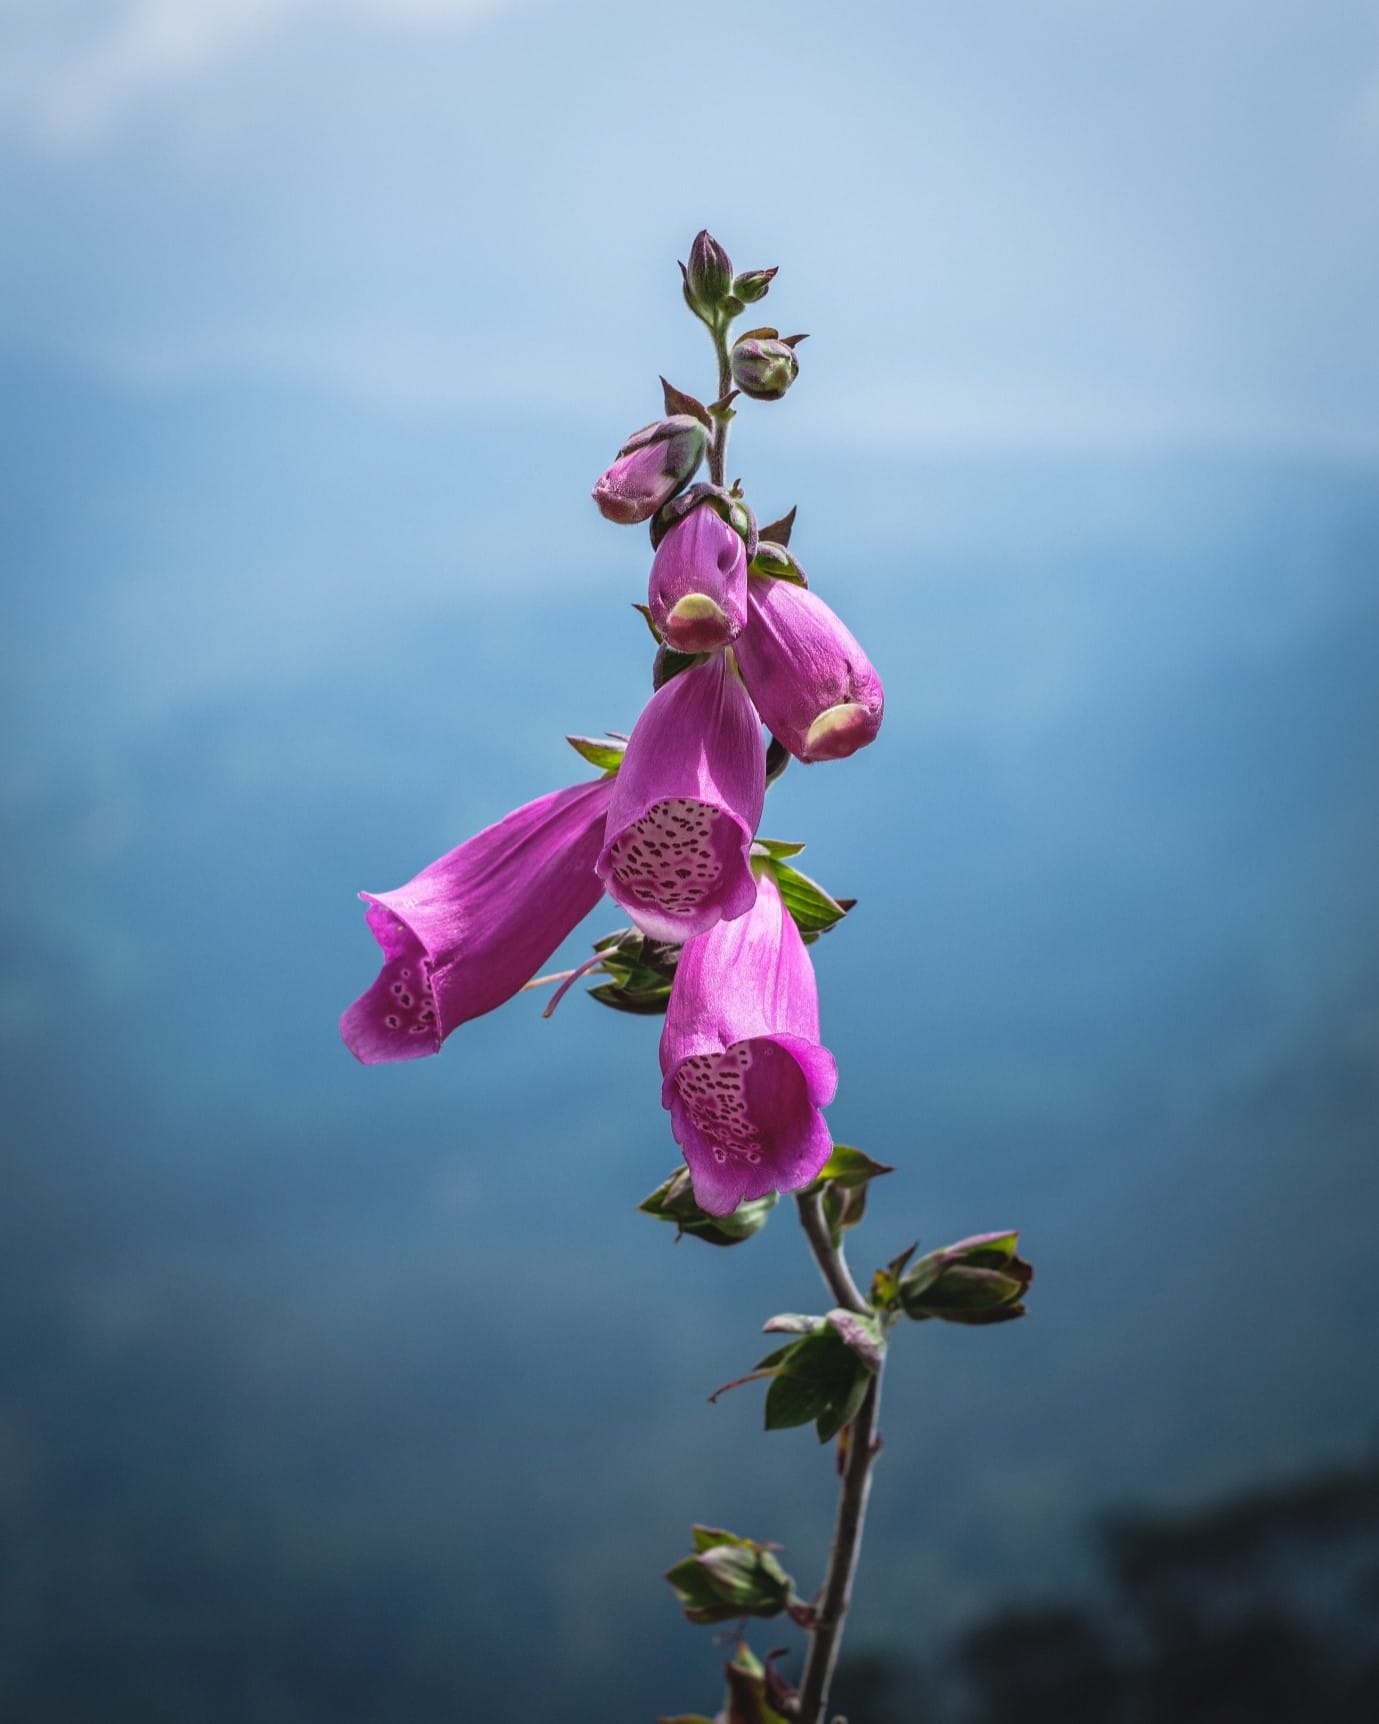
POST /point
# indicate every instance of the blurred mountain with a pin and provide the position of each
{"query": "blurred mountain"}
(332, 1393)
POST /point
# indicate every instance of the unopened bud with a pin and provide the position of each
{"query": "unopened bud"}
(651, 467)
(728, 1577)
(764, 367)
(978, 1280)
(708, 276)
(698, 588)
(753, 285)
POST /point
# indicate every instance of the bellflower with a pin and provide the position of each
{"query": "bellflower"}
(745, 1073)
(697, 594)
(685, 806)
(468, 931)
(814, 687)
(651, 467)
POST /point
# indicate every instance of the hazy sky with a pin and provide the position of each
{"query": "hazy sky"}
(1077, 222)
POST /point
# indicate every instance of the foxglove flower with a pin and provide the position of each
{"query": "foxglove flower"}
(472, 928)
(813, 685)
(745, 1074)
(685, 806)
(697, 594)
(651, 467)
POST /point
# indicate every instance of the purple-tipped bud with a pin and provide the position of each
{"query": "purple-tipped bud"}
(698, 589)
(745, 1072)
(685, 806)
(753, 285)
(814, 687)
(708, 275)
(651, 467)
(763, 367)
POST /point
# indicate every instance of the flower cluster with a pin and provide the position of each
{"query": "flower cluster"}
(670, 831)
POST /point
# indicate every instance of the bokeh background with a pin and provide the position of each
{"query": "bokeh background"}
(332, 1394)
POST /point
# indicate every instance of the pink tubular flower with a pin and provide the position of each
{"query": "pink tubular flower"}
(685, 806)
(472, 928)
(813, 685)
(698, 589)
(651, 467)
(745, 1074)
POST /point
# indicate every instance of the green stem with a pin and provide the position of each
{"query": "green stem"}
(718, 447)
(860, 1450)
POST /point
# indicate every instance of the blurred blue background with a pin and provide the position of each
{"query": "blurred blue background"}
(330, 1393)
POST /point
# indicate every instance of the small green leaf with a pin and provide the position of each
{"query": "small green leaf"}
(775, 849)
(604, 752)
(814, 910)
(849, 1166)
(794, 1401)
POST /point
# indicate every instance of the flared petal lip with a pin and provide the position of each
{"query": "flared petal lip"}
(735, 900)
(817, 1063)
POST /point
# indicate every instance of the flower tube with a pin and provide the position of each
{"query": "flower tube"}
(471, 929)
(697, 593)
(745, 1072)
(813, 685)
(685, 806)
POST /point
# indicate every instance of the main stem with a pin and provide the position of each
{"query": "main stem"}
(860, 1449)
(718, 447)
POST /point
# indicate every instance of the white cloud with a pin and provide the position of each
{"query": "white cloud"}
(70, 73)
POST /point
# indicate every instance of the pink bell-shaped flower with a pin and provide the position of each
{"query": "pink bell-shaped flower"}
(814, 687)
(472, 928)
(685, 806)
(745, 1072)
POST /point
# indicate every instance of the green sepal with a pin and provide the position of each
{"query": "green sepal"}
(639, 970)
(645, 613)
(729, 1577)
(843, 1181)
(978, 1281)
(773, 562)
(669, 663)
(673, 1201)
(604, 752)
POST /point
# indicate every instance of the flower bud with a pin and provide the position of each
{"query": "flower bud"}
(697, 594)
(752, 285)
(651, 467)
(978, 1280)
(708, 276)
(763, 367)
(728, 1577)
(808, 676)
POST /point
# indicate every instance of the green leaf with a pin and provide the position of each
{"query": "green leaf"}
(794, 1401)
(849, 1166)
(820, 1377)
(604, 752)
(814, 910)
(775, 849)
